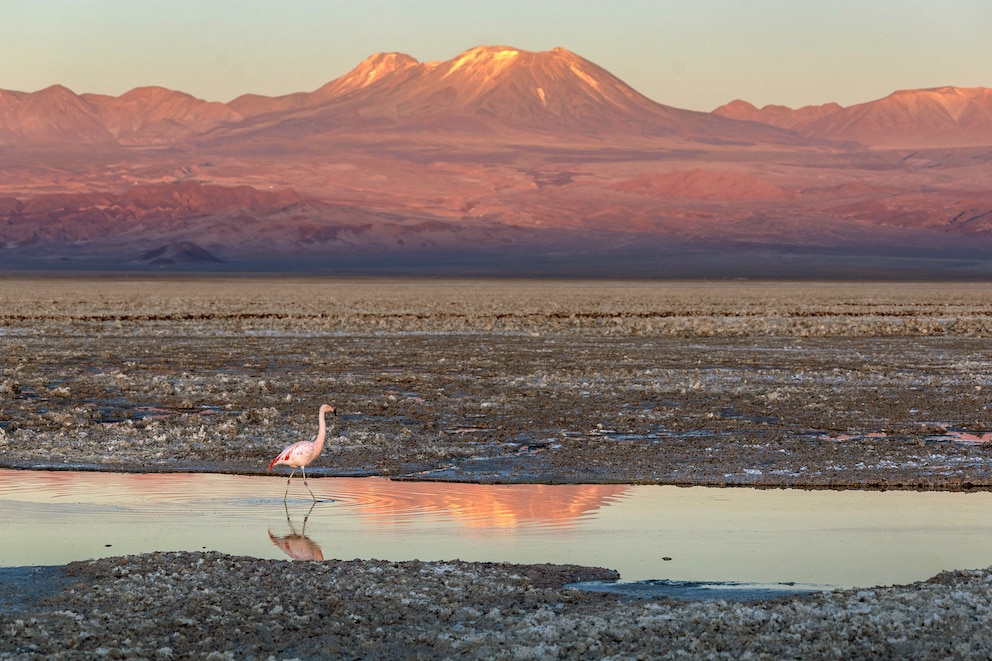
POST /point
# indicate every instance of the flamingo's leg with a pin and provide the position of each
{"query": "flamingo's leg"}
(304, 468)
(293, 472)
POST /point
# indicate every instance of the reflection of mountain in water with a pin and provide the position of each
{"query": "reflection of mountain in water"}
(479, 505)
(100, 487)
(383, 501)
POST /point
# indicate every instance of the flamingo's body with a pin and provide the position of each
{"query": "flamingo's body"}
(301, 453)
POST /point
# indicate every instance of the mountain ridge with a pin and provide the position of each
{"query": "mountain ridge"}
(930, 117)
(495, 152)
(775, 115)
(554, 90)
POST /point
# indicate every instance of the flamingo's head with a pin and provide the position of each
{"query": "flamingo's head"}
(327, 408)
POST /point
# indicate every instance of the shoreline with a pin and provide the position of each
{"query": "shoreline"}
(317, 472)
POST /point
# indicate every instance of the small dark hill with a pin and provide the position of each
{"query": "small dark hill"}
(181, 252)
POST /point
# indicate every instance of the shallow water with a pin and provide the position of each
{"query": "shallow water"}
(821, 538)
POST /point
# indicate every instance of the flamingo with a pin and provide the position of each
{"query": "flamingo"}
(301, 453)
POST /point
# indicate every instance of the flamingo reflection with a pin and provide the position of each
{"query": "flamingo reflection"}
(296, 544)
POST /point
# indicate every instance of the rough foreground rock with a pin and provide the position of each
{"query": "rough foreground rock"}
(209, 605)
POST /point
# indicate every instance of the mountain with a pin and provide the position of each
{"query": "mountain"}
(485, 90)
(182, 252)
(556, 88)
(366, 73)
(488, 90)
(938, 117)
(926, 118)
(156, 114)
(146, 115)
(54, 115)
(781, 116)
(497, 161)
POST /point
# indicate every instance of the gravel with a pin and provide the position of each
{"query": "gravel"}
(806, 385)
(215, 606)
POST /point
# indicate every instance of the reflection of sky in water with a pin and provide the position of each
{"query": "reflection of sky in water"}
(843, 538)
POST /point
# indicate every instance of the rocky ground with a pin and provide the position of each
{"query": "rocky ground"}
(804, 385)
(808, 385)
(214, 606)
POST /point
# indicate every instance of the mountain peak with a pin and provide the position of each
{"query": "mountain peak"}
(486, 55)
(502, 82)
(946, 90)
(552, 92)
(53, 114)
(495, 59)
(156, 115)
(908, 118)
(368, 72)
(946, 116)
(480, 63)
(54, 91)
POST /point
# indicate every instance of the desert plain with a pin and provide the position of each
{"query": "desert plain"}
(724, 383)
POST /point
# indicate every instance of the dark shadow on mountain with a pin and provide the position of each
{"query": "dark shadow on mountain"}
(181, 252)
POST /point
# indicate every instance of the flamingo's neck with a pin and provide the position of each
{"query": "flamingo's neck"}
(321, 432)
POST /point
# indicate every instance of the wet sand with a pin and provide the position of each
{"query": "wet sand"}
(810, 385)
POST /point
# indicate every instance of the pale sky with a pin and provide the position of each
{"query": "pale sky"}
(693, 54)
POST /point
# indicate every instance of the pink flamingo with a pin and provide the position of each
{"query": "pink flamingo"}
(301, 453)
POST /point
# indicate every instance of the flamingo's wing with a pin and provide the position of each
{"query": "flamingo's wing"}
(296, 455)
(285, 457)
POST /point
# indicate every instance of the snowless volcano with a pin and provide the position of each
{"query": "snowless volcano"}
(497, 160)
